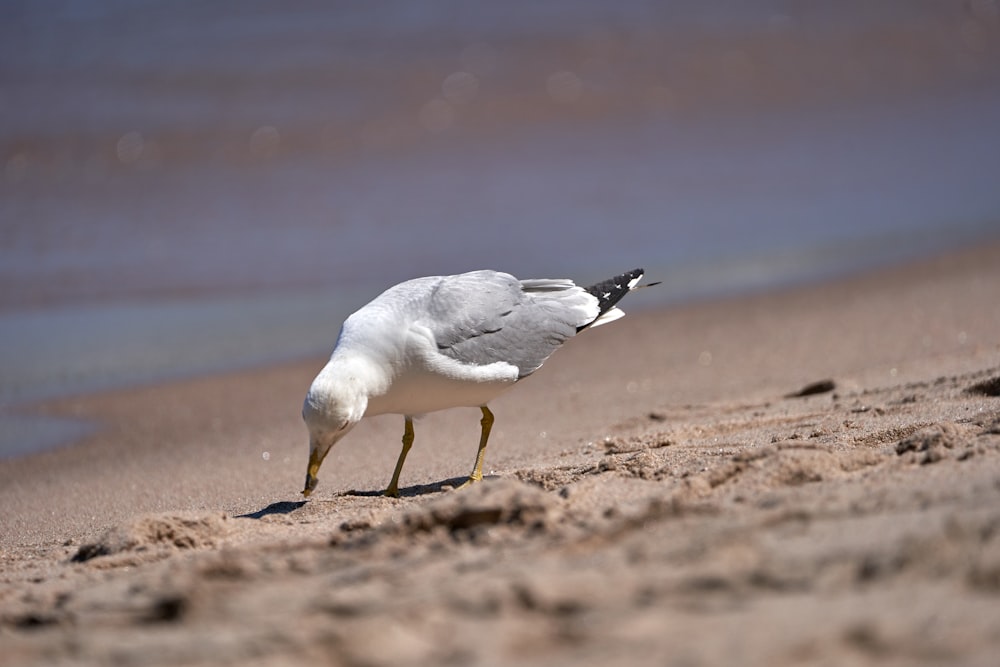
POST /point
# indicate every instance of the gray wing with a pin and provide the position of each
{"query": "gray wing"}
(483, 317)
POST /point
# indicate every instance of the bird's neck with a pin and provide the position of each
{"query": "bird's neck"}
(348, 382)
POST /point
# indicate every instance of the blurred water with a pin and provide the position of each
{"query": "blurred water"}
(215, 186)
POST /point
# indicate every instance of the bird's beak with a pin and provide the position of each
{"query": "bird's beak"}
(315, 460)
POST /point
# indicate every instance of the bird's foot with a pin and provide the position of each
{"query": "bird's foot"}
(473, 478)
(391, 492)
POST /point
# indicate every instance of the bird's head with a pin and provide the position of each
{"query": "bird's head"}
(330, 413)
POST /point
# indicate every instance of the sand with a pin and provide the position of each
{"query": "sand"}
(809, 476)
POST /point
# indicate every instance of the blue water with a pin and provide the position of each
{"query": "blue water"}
(194, 190)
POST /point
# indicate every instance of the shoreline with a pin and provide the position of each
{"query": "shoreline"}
(114, 410)
(120, 346)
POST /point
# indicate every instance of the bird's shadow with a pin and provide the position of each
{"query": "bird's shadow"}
(280, 507)
(289, 506)
(413, 491)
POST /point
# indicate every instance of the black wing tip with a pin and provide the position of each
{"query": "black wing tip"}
(609, 292)
(633, 274)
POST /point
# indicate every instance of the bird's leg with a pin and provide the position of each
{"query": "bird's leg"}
(477, 471)
(393, 489)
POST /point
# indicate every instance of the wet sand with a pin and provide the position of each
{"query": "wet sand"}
(659, 492)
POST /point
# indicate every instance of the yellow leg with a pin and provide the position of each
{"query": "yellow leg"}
(477, 471)
(393, 488)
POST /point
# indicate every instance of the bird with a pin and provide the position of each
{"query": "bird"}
(440, 342)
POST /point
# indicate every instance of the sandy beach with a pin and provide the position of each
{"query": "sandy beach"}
(786, 454)
(808, 476)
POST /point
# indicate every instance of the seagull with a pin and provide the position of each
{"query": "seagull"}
(441, 342)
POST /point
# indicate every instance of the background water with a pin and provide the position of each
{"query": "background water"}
(191, 188)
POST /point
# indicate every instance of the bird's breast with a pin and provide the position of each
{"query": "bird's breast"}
(420, 392)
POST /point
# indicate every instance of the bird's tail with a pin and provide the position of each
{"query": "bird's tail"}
(609, 292)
